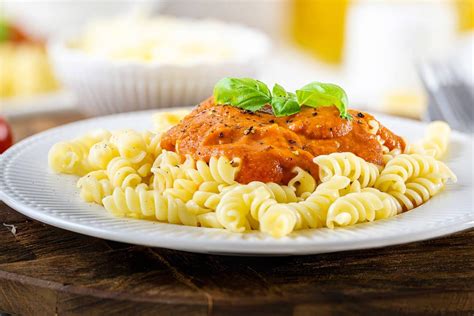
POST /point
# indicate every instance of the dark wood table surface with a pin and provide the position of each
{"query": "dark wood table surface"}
(46, 270)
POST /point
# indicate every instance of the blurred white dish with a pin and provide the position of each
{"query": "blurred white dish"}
(57, 101)
(110, 79)
(27, 184)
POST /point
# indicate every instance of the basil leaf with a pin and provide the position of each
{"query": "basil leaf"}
(245, 93)
(282, 106)
(318, 94)
(279, 91)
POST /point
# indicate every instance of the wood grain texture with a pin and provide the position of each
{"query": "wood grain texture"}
(46, 270)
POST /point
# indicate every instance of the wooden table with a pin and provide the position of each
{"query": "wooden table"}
(45, 270)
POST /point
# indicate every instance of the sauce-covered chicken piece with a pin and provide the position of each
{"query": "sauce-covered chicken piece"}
(270, 147)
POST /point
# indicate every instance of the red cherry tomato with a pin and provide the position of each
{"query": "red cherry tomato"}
(6, 137)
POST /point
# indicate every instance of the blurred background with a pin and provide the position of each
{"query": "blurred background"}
(75, 58)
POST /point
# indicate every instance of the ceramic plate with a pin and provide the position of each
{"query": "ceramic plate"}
(27, 185)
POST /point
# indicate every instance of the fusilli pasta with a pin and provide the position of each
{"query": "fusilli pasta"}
(303, 182)
(149, 204)
(162, 121)
(418, 191)
(405, 167)
(357, 208)
(130, 144)
(349, 165)
(71, 156)
(130, 175)
(435, 142)
(122, 174)
(95, 186)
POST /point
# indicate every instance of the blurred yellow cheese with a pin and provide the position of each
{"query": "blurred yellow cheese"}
(162, 39)
(24, 70)
(404, 103)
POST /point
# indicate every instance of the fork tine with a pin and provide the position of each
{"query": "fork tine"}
(459, 97)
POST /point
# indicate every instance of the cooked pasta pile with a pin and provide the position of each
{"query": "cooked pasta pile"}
(131, 176)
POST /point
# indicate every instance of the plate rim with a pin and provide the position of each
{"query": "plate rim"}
(216, 246)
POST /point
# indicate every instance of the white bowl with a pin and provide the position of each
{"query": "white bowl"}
(105, 85)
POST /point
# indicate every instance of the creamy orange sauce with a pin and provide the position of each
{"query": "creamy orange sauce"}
(270, 147)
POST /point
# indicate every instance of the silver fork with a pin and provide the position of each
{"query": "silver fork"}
(451, 98)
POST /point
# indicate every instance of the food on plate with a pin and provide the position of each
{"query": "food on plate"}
(6, 136)
(24, 66)
(162, 39)
(253, 159)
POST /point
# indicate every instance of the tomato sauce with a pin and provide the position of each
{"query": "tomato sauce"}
(270, 147)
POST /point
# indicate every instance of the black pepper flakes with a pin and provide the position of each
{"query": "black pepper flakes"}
(249, 130)
(315, 113)
(221, 135)
(361, 115)
(291, 141)
(271, 121)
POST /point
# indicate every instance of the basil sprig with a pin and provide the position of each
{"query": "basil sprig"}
(284, 103)
(245, 93)
(316, 94)
(252, 95)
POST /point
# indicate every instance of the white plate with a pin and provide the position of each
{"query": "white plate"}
(61, 100)
(27, 185)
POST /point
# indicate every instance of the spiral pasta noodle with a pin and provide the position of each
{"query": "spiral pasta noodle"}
(130, 144)
(205, 198)
(409, 166)
(280, 193)
(435, 142)
(418, 191)
(349, 165)
(313, 210)
(182, 189)
(209, 220)
(162, 121)
(71, 156)
(357, 208)
(220, 170)
(95, 186)
(122, 174)
(233, 209)
(143, 203)
(303, 182)
(152, 141)
(101, 154)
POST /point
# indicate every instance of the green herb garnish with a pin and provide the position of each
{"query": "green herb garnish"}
(245, 93)
(250, 94)
(316, 94)
(284, 103)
